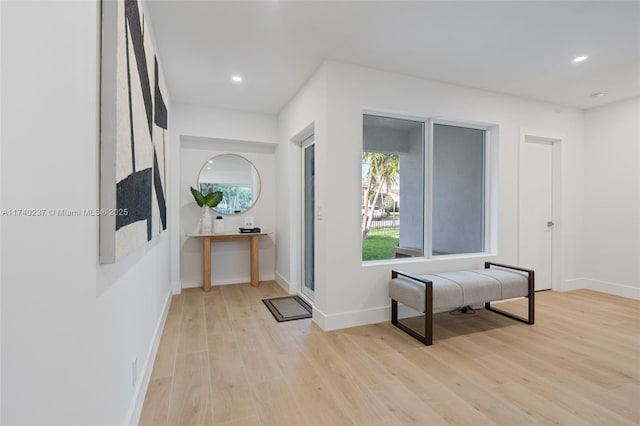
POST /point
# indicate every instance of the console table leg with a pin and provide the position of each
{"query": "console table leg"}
(255, 282)
(206, 264)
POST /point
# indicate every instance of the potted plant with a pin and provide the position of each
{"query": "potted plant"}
(206, 202)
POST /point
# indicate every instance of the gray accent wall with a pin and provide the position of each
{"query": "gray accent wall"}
(385, 140)
(412, 192)
(458, 190)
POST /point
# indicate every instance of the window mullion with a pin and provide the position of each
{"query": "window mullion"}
(427, 168)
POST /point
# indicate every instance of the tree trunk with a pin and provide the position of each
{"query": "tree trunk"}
(365, 202)
(369, 212)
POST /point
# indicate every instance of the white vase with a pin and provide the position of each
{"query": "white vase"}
(218, 225)
(206, 223)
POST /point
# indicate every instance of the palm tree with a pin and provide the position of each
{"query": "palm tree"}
(383, 170)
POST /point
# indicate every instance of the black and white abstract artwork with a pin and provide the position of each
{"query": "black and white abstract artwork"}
(133, 133)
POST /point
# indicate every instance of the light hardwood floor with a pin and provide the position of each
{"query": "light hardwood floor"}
(223, 359)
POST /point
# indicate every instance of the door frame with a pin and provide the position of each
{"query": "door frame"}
(556, 140)
(303, 291)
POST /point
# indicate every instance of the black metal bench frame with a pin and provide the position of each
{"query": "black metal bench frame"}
(427, 337)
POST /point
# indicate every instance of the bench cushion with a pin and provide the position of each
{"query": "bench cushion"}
(409, 292)
(455, 289)
(512, 283)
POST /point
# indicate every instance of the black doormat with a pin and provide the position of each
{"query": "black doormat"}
(288, 308)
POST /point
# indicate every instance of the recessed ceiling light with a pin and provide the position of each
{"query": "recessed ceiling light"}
(580, 58)
(236, 78)
(210, 161)
(597, 95)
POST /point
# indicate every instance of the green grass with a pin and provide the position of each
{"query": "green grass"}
(380, 244)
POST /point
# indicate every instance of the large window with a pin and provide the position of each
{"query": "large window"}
(392, 188)
(422, 195)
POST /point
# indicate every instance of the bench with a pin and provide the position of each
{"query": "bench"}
(451, 290)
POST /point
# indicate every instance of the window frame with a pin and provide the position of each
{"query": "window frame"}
(489, 232)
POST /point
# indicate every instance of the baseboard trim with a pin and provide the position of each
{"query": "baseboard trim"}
(289, 287)
(329, 322)
(176, 288)
(614, 289)
(236, 280)
(366, 316)
(133, 416)
(572, 284)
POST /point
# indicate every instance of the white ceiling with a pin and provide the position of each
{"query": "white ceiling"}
(516, 47)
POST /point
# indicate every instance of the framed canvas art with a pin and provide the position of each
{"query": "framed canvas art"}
(133, 133)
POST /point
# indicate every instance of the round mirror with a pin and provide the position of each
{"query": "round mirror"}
(236, 177)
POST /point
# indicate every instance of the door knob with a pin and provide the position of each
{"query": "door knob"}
(550, 223)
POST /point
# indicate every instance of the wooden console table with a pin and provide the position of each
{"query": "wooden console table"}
(235, 236)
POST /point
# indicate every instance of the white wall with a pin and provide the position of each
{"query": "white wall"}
(197, 134)
(70, 327)
(612, 199)
(352, 293)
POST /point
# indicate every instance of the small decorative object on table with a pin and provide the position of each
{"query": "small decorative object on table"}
(205, 220)
(250, 230)
(248, 222)
(218, 225)
(206, 202)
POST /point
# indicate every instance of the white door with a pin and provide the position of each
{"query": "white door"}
(536, 210)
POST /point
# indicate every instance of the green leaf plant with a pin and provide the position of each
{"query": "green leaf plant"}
(212, 199)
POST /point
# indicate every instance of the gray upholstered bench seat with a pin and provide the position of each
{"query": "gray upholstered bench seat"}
(450, 290)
